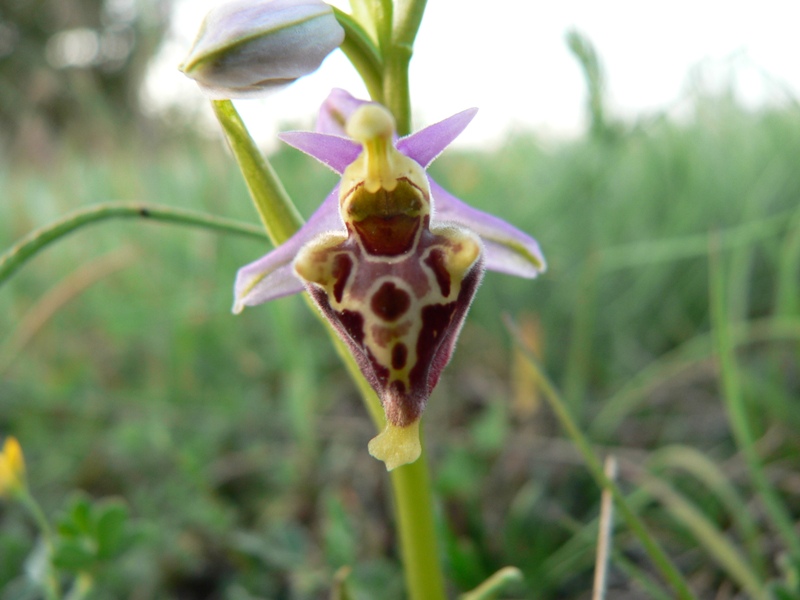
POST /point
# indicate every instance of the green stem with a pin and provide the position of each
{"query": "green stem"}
(51, 587)
(416, 526)
(40, 238)
(383, 17)
(651, 546)
(277, 212)
(397, 57)
(409, 15)
(396, 88)
(362, 54)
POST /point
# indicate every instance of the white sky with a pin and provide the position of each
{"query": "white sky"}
(510, 59)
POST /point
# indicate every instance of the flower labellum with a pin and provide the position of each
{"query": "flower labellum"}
(394, 277)
(395, 290)
(247, 48)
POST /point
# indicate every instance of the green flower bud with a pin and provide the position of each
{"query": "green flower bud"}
(249, 47)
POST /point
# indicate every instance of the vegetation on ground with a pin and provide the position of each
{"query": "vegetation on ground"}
(669, 319)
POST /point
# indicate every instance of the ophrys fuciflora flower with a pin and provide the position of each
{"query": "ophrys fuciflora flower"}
(390, 258)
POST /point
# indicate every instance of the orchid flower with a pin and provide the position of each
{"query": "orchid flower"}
(390, 258)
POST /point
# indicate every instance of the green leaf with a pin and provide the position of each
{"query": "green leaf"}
(111, 529)
(68, 529)
(73, 555)
(81, 514)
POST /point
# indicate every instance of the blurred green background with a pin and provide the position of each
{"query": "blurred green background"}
(239, 444)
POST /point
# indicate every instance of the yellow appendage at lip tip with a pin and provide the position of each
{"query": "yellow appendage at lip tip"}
(396, 446)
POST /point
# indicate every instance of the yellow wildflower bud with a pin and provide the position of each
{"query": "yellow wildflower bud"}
(12, 468)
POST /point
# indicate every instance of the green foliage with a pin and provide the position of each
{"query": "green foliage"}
(241, 447)
(91, 534)
(73, 68)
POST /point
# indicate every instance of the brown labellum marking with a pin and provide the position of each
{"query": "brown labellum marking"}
(402, 408)
(353, 323)
(390, 302)
(436, 319)
(387, 236)
(383, 336)
(386, 222)
(381, 371)
(342, 265)
(399, 356)
(436, 261)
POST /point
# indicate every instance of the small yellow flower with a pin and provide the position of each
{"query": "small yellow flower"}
(12, 468)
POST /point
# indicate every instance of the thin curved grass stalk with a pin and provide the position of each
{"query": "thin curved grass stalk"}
(578, 552)
(37, 240)
(657, 555)
(721, 549)
(639, 575)
(496, 584)
(706, 472)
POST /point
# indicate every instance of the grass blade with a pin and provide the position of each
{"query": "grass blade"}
(707, 535)
(730, 376)
(660, 559)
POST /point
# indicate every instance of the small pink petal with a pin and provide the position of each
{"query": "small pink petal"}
(426, 144)
(508, 250)
(331, 150)
(272, 276)
(335, 111)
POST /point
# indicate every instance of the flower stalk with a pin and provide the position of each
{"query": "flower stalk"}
(397, 51)
(278, 214)
(417, 530)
